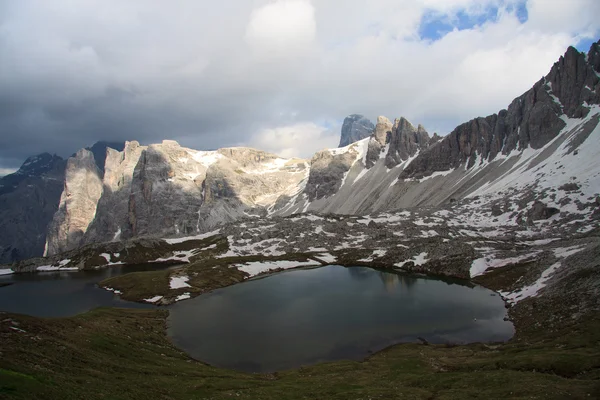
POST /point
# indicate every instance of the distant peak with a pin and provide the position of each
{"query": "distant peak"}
(355, 128)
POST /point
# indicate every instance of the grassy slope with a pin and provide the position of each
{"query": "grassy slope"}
(124, 354)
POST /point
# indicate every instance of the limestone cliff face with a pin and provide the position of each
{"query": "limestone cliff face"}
(167, 190)
(111, 221)
(405, 142)
(328, 169)
(78, 202)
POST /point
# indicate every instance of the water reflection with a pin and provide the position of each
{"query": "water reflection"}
(305, 316)
(392, 281)
(62, 293)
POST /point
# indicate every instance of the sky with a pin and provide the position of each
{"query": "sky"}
(278, 75)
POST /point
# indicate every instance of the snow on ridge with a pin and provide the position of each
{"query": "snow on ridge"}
(559, 167)
(108, 258)
(206, 158)
(419, 259)
(327, 257)
(376, 254)
(360, 175)
(197, 237)
(153, 299)
(533, 289)
(255, 268)
(434, 175)
(481, 265)
(179, 282)
(181, 256)
(184, 296)
(275, 165)
(564, 252)
(6, 271)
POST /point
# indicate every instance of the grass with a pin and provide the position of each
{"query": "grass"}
(124, 354)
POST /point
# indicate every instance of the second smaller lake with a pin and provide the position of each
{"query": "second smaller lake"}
(64, 293)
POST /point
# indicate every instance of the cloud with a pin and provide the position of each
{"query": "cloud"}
(284, 25)
(298, 140)
(6, 171)
(214, 74)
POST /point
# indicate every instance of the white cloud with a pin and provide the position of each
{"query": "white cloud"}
(297, 140)
(284, 25)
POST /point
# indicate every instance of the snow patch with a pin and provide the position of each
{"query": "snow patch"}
(480, 265)
(255, 268)
(533, 289)
(184, 296)
(419, 259)
(179, 282)
(197, 237)
(153, 299)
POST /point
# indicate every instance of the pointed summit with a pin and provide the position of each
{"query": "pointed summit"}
(355, 128)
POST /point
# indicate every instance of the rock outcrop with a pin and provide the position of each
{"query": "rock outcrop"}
(78, 202)
(355, 128)
(405, 142)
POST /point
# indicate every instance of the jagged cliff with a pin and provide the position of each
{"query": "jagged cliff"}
(404, 167)
(166, 189)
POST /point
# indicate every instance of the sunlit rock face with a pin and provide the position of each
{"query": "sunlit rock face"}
(112, 210)
(77, 208)
(167, 189)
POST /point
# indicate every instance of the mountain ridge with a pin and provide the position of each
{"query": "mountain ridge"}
(165, 189)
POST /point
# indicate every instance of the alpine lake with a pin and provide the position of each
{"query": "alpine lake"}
(288, 319)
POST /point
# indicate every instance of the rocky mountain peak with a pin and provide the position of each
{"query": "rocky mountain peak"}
(383, 130)
(34, 167)
(99, 150)
(37, 165)
(572, 80)
(405, 142)
(355, 128)
(531, 120)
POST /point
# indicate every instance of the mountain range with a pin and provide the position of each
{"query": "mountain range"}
(540, 152)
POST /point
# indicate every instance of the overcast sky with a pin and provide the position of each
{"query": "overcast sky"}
(279, 75)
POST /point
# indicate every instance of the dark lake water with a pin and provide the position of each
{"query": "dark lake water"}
(306, 316)
(63, 294)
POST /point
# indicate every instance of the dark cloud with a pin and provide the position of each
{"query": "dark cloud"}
(214, 74)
